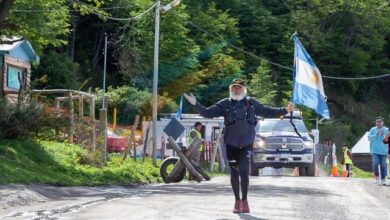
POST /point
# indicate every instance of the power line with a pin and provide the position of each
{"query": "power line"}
(72, 10)
(108, 17)
(279, 65)
(237, 48)
(132, 18)
(357, 78)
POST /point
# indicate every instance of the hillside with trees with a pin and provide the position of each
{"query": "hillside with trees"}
(204, 44)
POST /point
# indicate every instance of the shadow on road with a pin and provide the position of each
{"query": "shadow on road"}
(263, 191)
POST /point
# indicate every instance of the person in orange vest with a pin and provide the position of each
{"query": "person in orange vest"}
(195, 156)
(346, 159)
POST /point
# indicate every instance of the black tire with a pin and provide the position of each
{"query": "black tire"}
(302, 171)
(202, 172)
(311, 169)
(254, 170)
(164, 166)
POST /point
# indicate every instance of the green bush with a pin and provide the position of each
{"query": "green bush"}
(130, 101)
(51, 162)
(19, 121)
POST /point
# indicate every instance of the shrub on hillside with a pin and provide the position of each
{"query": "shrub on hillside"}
(19, 121)
(130, 101)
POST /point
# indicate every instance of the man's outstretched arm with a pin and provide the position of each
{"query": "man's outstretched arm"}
(215, 110)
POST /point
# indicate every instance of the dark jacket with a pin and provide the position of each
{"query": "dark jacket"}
(388, 145)
(239, 118)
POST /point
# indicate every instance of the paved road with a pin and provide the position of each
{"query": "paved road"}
(270, 198)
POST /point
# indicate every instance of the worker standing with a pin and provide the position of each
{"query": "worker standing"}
(346, 159)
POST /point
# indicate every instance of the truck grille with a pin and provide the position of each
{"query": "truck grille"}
(276, 143)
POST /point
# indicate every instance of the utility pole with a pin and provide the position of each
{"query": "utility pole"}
(155, 81)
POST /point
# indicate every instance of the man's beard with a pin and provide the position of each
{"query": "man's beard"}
(237, 97)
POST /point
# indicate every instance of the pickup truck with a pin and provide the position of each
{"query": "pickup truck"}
(278, 145)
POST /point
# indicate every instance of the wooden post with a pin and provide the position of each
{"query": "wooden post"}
(217, 149)
(92, 118)
(58, 104)
(114, 119)
(162, 147)
(103, 131)
(81, 107)
(146, 142)
(133, 131)
(71, 118)
(132, 139)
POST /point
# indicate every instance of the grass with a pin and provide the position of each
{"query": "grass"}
(357, 173)
(48, 162)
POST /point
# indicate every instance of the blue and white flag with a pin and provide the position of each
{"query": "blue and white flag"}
(179, 110)
(308, 88)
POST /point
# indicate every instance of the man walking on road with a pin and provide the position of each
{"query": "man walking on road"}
(239, 113)
(379, 150)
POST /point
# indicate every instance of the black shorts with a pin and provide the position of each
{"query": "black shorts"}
(235, 155)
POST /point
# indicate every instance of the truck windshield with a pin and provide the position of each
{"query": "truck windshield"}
(280, 125)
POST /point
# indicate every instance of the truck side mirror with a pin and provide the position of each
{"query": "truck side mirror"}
(316, 135)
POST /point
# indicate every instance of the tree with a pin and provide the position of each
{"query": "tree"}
(177, 54)
(56, 71)
(261, 85)
(345, 39)
(5, 6)
(43, 22)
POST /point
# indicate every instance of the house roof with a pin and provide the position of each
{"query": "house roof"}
(20, 49)
(362, 146)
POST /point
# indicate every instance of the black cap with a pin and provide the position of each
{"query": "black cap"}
(239, 82)
(197, 123)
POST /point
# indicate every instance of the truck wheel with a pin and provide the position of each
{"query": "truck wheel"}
(254, 169)
(166, 167)
(302, 171)
(311, 169)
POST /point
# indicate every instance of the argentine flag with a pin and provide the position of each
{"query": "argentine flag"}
(308, 88)
(179, 110)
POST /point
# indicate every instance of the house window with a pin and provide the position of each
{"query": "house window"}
(13, 76)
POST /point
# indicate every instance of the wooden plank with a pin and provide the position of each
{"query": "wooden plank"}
(146, 142)
(133, 130)
(64, 91)
(131, 140)
(183, 159)
(92, 118)
(81, 107)
(71, 118)
(103, 131)
(17, 62)
(179, 166)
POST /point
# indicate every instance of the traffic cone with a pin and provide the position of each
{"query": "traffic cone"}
(344, 173)
(335, 170)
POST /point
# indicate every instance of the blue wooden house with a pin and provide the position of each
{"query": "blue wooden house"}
(15, 68)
